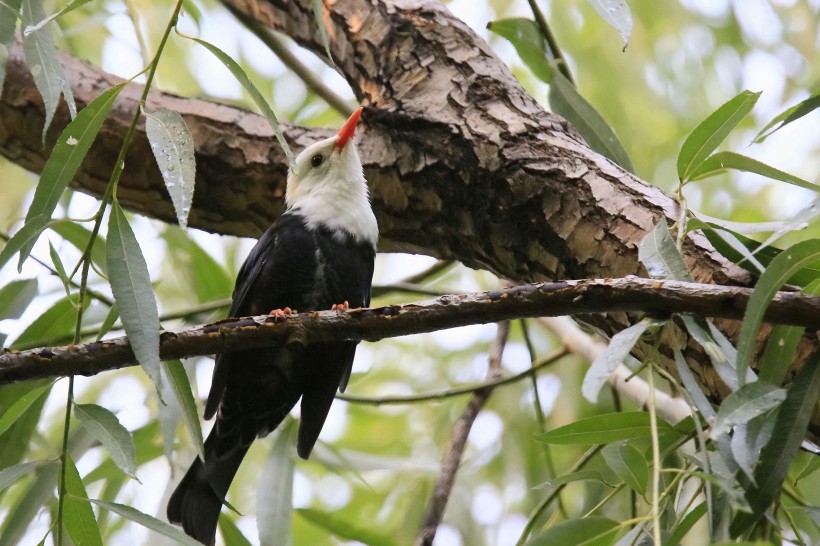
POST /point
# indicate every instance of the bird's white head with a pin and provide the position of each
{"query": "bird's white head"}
(327, 186)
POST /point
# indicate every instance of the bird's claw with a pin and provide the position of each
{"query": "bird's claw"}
(281, 313)
(340, 306)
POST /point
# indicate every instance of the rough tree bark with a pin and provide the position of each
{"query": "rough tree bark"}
(462, 162)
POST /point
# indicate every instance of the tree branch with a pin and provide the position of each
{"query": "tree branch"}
(458, 441)
(536, 300)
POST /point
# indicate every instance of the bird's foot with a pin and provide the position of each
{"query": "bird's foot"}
(340, 306)
(282, 313)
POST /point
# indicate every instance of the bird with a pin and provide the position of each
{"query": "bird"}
(318, 255)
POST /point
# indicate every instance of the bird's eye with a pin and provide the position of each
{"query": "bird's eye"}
(316, 160)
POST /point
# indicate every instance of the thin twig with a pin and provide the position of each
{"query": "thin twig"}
(289, 60)
(458, 440)
(552, 43)
(458, 391)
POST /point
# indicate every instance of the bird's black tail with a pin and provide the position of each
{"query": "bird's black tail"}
(197, 500)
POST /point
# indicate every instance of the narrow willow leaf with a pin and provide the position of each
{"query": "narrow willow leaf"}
(789, 431)
(628, 464)
(619, 347)
(21, 405)
(780, 269)
(792, 114)
(797, 222)
(762, 255)
(231, 533)
(55, 323)
(16, 296)
(318, 15)
(779, 353)
(728, 244)
(78, 236)
(748, 439)
(724, 364)
(68, 153)
(173, 148)
(686, 524)
(78, 517)
(8, 22)
(257, 97)
(593, 530)
(149, 522)
(603, 429)
(274, 492)
(59, 268)
(41, 56)
(722, 161)
(617, 14)
(131, 286)
(71, 6)
(528, 41)
(660, 256)
(344, 529)
(581, 475)
(712, 131)
(209, 279)
(567, 102)
(115, 438)
(746, 403)
(181, 386)
(812, 467)
(9, 475)
(26, 236)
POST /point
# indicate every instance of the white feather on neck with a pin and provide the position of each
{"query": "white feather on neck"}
(333, 195)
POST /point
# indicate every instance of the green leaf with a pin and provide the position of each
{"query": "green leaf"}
(15, 297)
(707, 136)
(78, 517)
(71, 6)
(208, 277)
(57, 322)
(692, 388)
(21, 405)
(106, 429)
(149, 522)
(257, 97)
(173, 148)
(722, 161)
(274, 492)
(777, 273)
(318, 15)
(528, 41)
(617, 14)
(8, 22)
(181, 387)
(344, 529)
(26, 236)
(41, 57)
(10, 475)
(131, 286)
(628, 464)
(791, 114)
(812, 467)
(567, 102)
(686, 524)
(618, 349)
(68, 153)
(746, 403)
(58, 267)
(581, 475)
(660, 256)
(603, 429)
(724, 359)
(789, 432)
(78, 235)
(231, 534)
(589, 531)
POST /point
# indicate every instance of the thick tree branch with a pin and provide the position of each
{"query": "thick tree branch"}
(536, 300)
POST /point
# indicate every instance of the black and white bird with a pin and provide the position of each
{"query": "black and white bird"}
(318, 255)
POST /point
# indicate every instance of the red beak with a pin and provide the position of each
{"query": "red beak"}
(346, 134)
